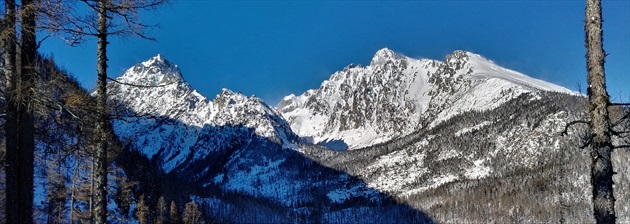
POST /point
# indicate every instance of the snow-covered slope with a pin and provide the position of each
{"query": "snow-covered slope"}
(179, 125)
(396, 95)
(462, 139)
(240, 147)
(498, 165)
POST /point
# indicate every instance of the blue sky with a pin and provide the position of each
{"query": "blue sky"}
(275, 48)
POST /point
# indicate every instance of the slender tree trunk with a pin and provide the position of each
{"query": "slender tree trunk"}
(101, 123)
(601, 169)
(91, 199)
(12, 150)
(75, 175)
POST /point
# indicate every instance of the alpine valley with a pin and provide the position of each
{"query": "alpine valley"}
(401, 140)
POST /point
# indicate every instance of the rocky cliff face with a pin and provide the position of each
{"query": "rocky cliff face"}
(396, 95)
(174, 124)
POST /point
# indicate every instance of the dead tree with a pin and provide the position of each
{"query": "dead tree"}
(599, 124)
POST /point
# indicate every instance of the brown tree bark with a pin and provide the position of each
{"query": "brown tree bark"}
(601, 144)
(101, 123)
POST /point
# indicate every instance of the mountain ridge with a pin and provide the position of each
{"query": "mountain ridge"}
(180, 112)
(398, 130)
(411, 91)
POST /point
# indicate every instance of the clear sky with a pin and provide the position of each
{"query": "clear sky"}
(275, 48)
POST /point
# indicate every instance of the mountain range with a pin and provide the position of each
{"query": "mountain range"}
(399, 140)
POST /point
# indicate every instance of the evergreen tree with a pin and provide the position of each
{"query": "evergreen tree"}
(192, 214)
(123, 196)
(161, 211)
(142, 211)
(174, 214)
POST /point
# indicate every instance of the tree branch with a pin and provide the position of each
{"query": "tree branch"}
(39, 43)
(136, 32)
(619, 104)
(55, 106)
(566, 127)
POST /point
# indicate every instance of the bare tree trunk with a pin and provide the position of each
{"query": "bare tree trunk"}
(101, 106)
(20, 128)
(601, 169)
(28, 52)
(12, 150)
(91, 199)
(75, 175)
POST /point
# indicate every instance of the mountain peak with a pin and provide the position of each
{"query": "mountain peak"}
(228, 96)
(154, 71)
(157, 60)
(456, 55)
(384, 55)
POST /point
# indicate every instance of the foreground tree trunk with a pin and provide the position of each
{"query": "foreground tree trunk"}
(101, 123)
(11, 111)
(26, 124)
(601, 169)
(20, 128)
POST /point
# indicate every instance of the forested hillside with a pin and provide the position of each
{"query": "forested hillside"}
(64, 158)
(511, 164)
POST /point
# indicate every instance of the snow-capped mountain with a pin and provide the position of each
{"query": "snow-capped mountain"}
(396, 95)
(459, 140)
(177, 125)
(238, 146)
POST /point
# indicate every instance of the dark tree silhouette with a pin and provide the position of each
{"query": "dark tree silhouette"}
(19, 128)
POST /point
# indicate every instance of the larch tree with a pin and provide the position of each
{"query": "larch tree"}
(106, 18)
(19, 127)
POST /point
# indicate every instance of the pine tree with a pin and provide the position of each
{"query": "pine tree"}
(123, 195)
(174, 214)
(192, 214)
(142, 211)
(161, 211)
